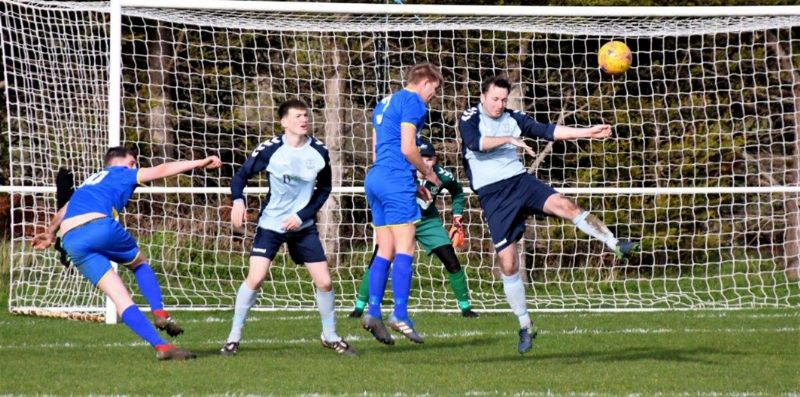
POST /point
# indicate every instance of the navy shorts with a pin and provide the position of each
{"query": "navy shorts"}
(507, 203)
(304, 245)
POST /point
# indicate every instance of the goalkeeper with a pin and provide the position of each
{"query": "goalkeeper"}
(432, 235)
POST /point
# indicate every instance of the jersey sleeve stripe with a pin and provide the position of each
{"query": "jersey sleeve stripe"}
(409, 124)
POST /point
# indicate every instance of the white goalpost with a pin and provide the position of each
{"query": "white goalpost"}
(703, 167)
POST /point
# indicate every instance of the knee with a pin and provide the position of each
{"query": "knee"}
(138, 261)
(324, 285)
(254, 281)
(562, 207)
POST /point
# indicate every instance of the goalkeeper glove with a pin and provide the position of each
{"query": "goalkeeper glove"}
(457, 232)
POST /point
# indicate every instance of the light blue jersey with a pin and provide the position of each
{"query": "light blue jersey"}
(299, 181)
(503, 162)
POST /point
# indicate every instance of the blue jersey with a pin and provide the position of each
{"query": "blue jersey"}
(402, 107)
(106, 192)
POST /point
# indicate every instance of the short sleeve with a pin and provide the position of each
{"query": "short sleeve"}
(414, 113)
(130, 177)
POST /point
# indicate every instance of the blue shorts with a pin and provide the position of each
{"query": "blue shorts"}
(304, 245)
(93, 245)
(507, 203)
(392, 197)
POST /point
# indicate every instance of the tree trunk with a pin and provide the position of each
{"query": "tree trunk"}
(159, 119)
(330, 217)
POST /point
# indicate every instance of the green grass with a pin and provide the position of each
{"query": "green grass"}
(734, 352)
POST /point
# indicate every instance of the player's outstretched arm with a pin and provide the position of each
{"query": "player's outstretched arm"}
(44, 240)
(564, 133)
(177, 167)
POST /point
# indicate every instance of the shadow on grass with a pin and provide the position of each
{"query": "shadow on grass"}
(691, 355)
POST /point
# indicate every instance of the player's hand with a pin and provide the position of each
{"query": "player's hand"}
(291, 223)
(238, 213)
(520, 143)
(456, 233)
(431, 177)
(42, 241)
(212, 162)
(599, 131)
(424, 193)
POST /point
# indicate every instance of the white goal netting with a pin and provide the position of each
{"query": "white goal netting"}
(702, 167)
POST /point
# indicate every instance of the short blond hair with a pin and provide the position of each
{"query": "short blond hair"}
(424, 71)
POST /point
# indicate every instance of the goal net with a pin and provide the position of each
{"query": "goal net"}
(702, 166)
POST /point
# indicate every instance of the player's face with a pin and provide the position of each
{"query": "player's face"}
(427, 90)
(295, 121)
(494, 101)
(130, 162)
(429, 161)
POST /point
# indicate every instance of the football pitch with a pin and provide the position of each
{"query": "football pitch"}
(744, 352)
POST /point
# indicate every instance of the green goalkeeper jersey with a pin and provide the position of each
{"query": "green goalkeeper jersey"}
(450, 184)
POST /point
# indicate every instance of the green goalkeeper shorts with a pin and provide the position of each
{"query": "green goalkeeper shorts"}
(431, 234)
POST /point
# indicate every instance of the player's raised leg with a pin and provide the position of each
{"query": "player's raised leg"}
(590, 224)
(151, 290)
(245, 299)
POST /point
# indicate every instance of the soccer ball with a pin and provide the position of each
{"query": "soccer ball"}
(614, 57)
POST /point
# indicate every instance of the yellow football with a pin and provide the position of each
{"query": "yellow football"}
(614, 57)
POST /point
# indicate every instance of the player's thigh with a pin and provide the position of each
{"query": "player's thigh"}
(403, 235)
(111, 284)
(385, 242)
(94, 267)
(538, 197)
(503, 211)
(430, 234)
(266, 244)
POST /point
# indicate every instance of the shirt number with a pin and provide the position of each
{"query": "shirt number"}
(95, 178)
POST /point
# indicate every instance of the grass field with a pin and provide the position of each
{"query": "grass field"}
(710, 353)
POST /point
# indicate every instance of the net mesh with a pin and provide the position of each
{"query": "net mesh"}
(709, 103)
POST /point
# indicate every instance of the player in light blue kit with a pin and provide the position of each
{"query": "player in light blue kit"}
(391, 193)
(93, 238)
(491, 136)
(299, 184)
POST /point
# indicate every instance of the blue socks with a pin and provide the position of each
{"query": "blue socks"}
(148, 286)
(401, 285)
(378, 276)
(137, 322)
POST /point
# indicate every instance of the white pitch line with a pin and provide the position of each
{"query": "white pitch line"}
(435, 335)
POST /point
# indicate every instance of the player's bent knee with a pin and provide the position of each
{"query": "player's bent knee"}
(561, 206)
(136, 262)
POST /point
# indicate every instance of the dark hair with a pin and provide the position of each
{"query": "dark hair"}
(118, 152)
(426, 148)
(424, 71)
(297, 104)
(497, 81)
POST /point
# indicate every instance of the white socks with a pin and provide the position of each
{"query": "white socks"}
(245, 299)
(594, 227)
(515, 295)
(325, 304)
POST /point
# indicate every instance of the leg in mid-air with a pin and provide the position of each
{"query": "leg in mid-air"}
(562, 207)
(402, 272)
(245, 299)
(151, 290)
(378, 278)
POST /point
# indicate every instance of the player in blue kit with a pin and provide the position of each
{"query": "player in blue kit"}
(391, 193)
(299, 184)
(93, 238)
(491, 136)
